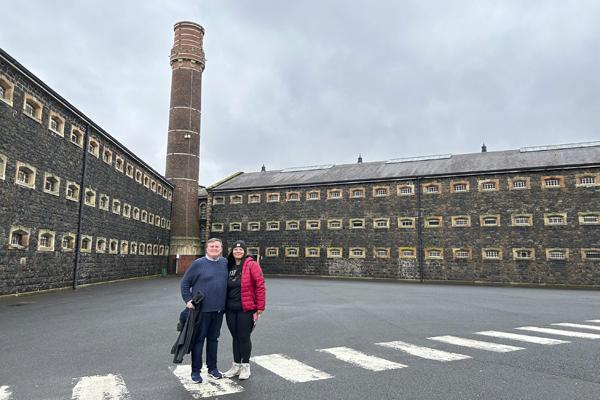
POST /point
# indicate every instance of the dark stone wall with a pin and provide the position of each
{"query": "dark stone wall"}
(535, 200)
(27, 140)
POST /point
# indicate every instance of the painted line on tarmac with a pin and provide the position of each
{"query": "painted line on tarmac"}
(5, 392)
(523, 338)
(581, 326)
(560, 332)
(100, 387)
(209, 387)
(476, 344)
(290, 369)
(593, 320)
(424, 352)
(362, 360)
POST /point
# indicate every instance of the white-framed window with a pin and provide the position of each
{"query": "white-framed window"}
(126, 210)
(272, 197)
(586, 180)
(25, 175)
(100, 245)
(56, 124)
(557, 254)
(32, 107)
(163, 222)
(589, 218)
(144, 216)
(433, 222)
(51, 184)
(312, 252)
(488, 185)
(313, 195)
(553, 182)
(407, 252)
(292, 251)
(254, 198)
(217, 227)
(357, 252)
(293, 225)
(133, 248)
(236, 199)
(491, 254)
(90, 197)
(254, 226)
(154, 249)
(334, 252)
(235, 226)
(357, 223)
(218, 200)
(524, 254)
(459, 186)
(3, 162)
(292, 196)
(150, 218)
(461, 253)
(161, 250)
(522, 219)
(406, 189)
(136, 213)
(67, 242)
(381, 223)
(461, 221)
(129, 170)
(104, 202)
(432, 188)
(334, 223)
(381, 252)
(18, 237)
(107, 155)
(124, 247)
(434, 253)
(555, 219)
(381, 191)
(142, 249)
(489, 220)
(272, 225)
(119, 163)
(113, 246)
(313, 224)
(46, 240)
(116, 206)
(6, 90)
(334, 194)
(85, 245)
(72, 191)
(76, 136)
(357, 193)
(519, 183)
(138, 176)
(406, 222)
(94, 147)
(146, 181)
(153, 185)
(272, 252)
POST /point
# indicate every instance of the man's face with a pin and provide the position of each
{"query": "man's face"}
(214, 249)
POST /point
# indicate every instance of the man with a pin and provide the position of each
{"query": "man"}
(207, 274)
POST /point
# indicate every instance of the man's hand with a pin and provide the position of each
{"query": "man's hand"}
(190, 305)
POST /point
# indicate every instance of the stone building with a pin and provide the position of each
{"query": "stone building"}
(522, 216)
(77, 206)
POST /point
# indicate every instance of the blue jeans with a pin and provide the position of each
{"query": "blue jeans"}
(210, 329)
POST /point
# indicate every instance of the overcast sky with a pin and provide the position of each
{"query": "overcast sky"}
(294, 83)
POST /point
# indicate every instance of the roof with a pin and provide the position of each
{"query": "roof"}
(528, 158)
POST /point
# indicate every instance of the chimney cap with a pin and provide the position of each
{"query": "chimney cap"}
(360, 160)
(263, 168)
(483, 148)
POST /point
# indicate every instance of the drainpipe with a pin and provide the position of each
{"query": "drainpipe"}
(164, 270)
(420, 250)
(81, 201)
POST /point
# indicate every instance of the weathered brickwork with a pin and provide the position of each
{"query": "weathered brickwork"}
(458, 249)
(118, 190)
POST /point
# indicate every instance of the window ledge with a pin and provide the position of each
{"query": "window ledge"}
(25, 185)
(39, 121)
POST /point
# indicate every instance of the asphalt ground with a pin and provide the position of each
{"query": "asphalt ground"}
(49, 341)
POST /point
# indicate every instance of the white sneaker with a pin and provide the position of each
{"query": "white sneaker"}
(233, 371)
(244, 371)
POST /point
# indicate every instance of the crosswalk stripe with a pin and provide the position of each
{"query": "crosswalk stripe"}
(424, 352)
(582, 326)
(362, 360)
(560, 332)
(476, 344)
(100, 387)
(290, 369)
(593, 320)
(522, 338)
(5, 392)
(209, 387)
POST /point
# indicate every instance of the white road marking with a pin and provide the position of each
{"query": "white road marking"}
(424, 352)
(100, 387)
(5, 392)
(362, 360)
(209, 387)
(522, 338)
(290, 369)
(476, 344)
(593, 320)
(569, 325)
(560, 332)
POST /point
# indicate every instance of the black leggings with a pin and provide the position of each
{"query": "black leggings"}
(240, 325)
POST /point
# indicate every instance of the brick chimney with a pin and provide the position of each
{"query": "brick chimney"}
(183, 148)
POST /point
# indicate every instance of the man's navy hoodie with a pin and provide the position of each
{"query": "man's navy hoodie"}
(207, 276)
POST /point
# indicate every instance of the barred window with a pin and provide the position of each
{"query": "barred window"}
(116, 206)
(254, 226)
(19, 237)
(519, 184)
(272, 252)
(217, 227)
(557, 254)
(460, 187)
(313, 224)
(119, 163)
(357, 223)
(490, 220)
(107, 155)
(273, 225)
(405, 222)
(406, 190)
(334, 194)
(90, 197)
(433, 222)
(523, 254)
(334, 224)
(432, 188)
(357, 193)
(488, 186)
(555, 219)
(236, 199)
(590, 254)
(313, 195)
(100, 245)
(292, 225)
(235, 226)
(382, 252)
(76, 136)
(51, 184)
(46, 240)
(462, 253)
(292, 196)
(491, 254)
(589, 218)
(552, 182)
(254, 198)
(218, 200)
(292, 251)
(72, 191)
(86, 244)
(380, 191)
(357, 252)
(272, 197)
(25, 175)
(334, 252)
(380, 223)
(522, 220)
(56, 123)
(407, 252)
(587, 180)
(461, 221)
(68, 242)
(434, 254)
(312, 252)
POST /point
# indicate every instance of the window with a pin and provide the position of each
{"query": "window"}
(217, 227)
(68, 242)
(119, 163)
(46, 240)
(168, 224)
(273, 225)
(107, 156)
(126, 210)
(85, 245)
(56, 124)
(254, 252)
(217, 200)
(461, 254)
(407, 252)
(170, 195)
(144, 216)
(522, 219)
(113, 246)
(3, 162)
(124, 247)
(202, 210)
(489, 220)
(292, 225)
(557, 254)
(155, 249)
(25, 175)
(253, 198)
(432, 188)
(334, 252)
(153, 185)
(292, 251)
(272, 197)
(32, 107)
(334, 224)
(159, 189)
(589, 218)
(433, 222)
(357, 223)
(357, 252)
(272, 252)
(104, 201)
(461, 221)
(100, 245)
(312, 252)
(491, 254)
(133, 248)
(90, 197)
(163, 223)
(523, 254)
(146, 181)
(357, 193)
(406, 189)
(459, 187)
(76, 136)
(19, 237)
(129, 170)
(313, 195)
(138, 176)
(518, 183)
(434, 254)
(136, 213)
(142, 249)
(381, 223)
(116, 206)
(406, 222)
(586, 180)
(151, 218)
(292, 196)
(552, 182)
(72, 191)
(313, 224)
(94, 147)
(236, 199)
(51, 184)
(381, 252)
(488, 185)
(334, 194)
(161, 251)
(6, 90)
(555, 219)
(381, 191)
(254, 226)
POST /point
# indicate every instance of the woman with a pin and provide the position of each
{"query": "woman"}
(245, 304)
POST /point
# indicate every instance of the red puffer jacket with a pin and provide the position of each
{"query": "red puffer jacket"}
(253, 286)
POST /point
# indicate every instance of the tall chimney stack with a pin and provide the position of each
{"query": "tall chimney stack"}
(183, 148)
